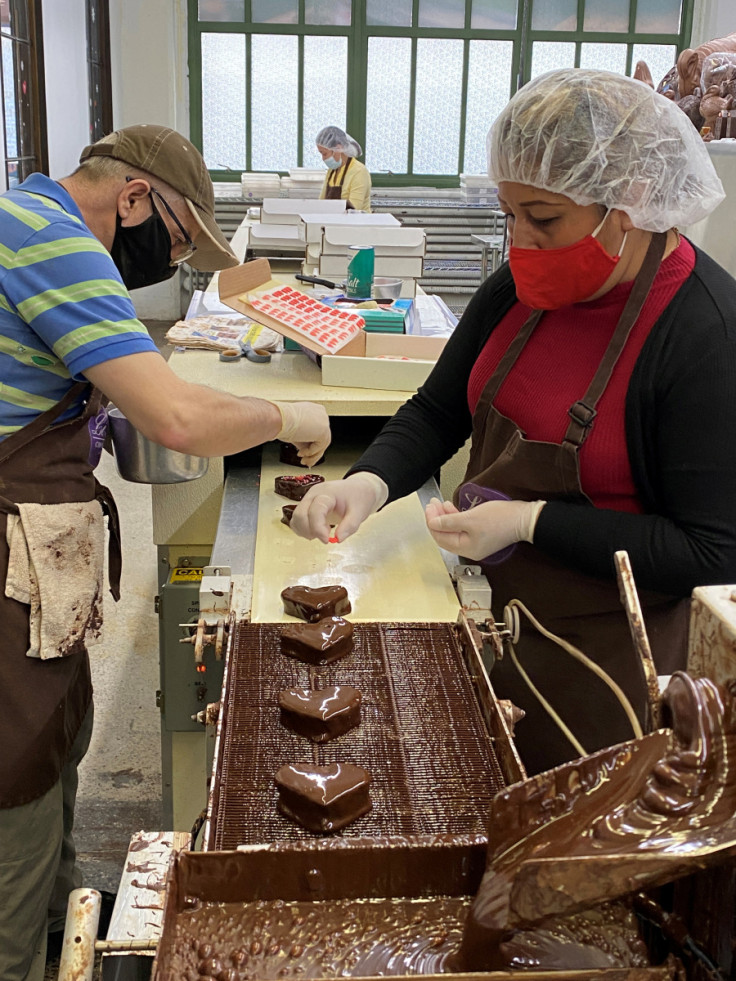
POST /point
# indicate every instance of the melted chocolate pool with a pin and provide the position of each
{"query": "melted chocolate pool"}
(345, 938)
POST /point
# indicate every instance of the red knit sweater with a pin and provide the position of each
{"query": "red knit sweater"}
(557, 365)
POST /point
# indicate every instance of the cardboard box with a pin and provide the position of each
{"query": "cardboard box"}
(286, 211)
(386, 241)
(314, 224)
(335, 267)
(271, 235)
(375, 369)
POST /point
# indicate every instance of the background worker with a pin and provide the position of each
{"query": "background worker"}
(595, 373)
(140, 203)
(347, 178)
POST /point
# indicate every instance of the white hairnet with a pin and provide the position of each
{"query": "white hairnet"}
(602, 138)
(334, 138)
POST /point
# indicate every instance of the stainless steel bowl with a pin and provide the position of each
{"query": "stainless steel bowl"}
(143, 462)
(384, 288)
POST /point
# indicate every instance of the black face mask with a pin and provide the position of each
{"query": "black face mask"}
(142, 252)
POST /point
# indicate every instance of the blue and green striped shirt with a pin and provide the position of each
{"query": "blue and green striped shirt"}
(63, 305)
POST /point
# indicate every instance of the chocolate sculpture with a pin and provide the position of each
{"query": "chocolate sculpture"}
(318, 643)
(566, 844)
(320, 715)
(323, 798)
(295, 486)
(315, 603)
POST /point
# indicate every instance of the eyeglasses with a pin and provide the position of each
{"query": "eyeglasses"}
(189, 247)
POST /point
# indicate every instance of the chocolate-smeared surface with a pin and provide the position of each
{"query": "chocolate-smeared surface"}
(313, 603)
(323, 798)
(322, 714)
(318, 643)
(275, 940)
(640, 814)
(295, 486)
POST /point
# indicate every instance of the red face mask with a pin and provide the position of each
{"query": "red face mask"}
(547, 279)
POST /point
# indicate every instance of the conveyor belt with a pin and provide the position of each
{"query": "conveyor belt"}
(422, 737)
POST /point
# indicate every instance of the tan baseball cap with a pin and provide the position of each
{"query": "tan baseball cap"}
(168, 155)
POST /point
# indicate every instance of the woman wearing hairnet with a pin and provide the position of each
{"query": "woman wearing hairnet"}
(347, 178)
(595, 372)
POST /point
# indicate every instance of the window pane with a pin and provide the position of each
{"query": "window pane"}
(659, 57)
(606, 15)
(324, 104)
(387, 104)
(555, 15)
(438, 105)
(388, 13)
(223, 101)
(274, 93)
(274, 11)
(492, 15)
(658, 17)
(14, 17)
(442, 13)
(489, 87)
(548, 55)
(11, 126)
(609, 57)
(334, 13)
(222, 10)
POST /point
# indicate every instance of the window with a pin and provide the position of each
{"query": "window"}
(98, 66)
(23, 102)
(417, 82)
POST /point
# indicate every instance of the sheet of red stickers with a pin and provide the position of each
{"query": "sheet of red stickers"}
(324, 325)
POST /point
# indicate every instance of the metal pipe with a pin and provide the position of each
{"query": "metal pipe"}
(80, 931)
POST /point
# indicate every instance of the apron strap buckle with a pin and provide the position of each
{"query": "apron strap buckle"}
(582, 416)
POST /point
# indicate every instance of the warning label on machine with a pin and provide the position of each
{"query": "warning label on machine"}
(185, 574)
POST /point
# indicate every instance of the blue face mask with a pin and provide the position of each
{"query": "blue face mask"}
(331, 163)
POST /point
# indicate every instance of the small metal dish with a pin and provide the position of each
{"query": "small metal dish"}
(142, 461)
(384, 288)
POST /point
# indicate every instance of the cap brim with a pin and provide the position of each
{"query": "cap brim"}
(213, 250)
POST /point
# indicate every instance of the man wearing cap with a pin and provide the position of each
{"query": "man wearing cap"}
(140, 203)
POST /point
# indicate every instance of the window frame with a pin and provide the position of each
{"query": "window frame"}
(38, 158)
(98, 28)
(358, 34)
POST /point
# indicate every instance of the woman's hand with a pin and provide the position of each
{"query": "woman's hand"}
(483, 530)
(345, 503)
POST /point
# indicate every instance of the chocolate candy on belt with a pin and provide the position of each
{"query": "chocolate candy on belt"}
(315, 603)
(295, 486)
(287, 513)
(323, 798)
(320, 715)
(289, 454)
(319, 642)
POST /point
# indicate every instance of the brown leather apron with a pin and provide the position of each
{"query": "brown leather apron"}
(584, 610)
(44, 702)
(334, 190)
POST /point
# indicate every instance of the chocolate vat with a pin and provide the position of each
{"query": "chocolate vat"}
(418, 870)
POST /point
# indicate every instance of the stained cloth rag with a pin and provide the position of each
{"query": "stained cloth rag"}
(56, 567)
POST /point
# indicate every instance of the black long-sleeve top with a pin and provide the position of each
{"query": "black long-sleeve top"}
(680, 435)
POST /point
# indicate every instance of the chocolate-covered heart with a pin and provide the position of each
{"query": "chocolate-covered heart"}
(314, 603)
(320, 715)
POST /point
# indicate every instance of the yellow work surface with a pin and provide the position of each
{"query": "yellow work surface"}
(391, 567)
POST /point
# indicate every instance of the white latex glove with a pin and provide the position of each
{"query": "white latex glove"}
(484, 529)
(345, 503)
(307, 426)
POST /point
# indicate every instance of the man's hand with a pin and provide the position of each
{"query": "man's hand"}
(346, 503)
(483, 530)
(307, 426)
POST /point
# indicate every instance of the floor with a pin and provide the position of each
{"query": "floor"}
(120, 778)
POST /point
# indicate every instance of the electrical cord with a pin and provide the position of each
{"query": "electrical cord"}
(516, 604)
